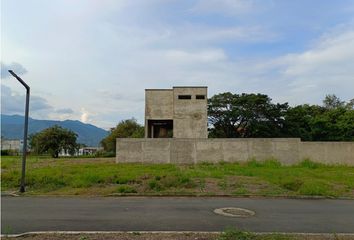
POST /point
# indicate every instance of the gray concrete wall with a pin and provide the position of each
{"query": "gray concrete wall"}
(159, 104)
(328, 152)
(186, 151)
(190, 119)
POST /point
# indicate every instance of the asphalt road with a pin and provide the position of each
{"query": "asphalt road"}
(23, 214)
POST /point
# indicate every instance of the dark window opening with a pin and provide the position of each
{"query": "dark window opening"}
(200, 97)
(160, 128)
(184, 97)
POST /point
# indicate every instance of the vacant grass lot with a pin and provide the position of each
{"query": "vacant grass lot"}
(101, 176)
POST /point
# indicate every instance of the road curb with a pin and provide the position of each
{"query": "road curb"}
(168, 232)
(302, 197)
(9, 194)
(117, 195)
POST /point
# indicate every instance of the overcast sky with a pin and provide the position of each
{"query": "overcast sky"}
(91, 60)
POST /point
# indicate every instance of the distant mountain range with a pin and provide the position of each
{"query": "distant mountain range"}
(12, 128)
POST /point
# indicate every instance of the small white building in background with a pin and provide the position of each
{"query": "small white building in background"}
(81, 152)
(12, 144)
(89, 150)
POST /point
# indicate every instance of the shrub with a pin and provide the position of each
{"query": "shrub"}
(154, 185)
(315, 188)
(307, 163)
(9, 152)
(126, 189)
(5, 153)
(233, 234)
(103, 153)
(176, 181)
(292, 185)
(270, 163)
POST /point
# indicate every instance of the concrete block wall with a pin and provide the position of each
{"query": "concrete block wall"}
(188, 151)
(328, 152)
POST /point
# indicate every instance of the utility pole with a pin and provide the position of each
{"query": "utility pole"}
(25, 132)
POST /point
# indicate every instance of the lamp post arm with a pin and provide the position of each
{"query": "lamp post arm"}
(20, 80)
(25, 132)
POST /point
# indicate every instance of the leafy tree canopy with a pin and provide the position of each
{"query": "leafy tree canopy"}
(52, 140)
(331, 101)
(125, 129)
(245, 115)
(254, 115)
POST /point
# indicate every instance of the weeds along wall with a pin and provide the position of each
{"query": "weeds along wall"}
(186, 151)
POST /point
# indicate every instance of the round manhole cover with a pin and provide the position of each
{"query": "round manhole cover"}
(234, 212)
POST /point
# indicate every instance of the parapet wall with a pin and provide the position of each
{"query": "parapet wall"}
(287, 150)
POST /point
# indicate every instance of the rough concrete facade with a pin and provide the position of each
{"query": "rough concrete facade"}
(328, 152)
(180, 110)
(287, 150)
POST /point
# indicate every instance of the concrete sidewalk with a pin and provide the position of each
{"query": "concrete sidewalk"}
(23, 214)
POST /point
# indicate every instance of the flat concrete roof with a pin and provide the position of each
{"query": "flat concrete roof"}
(191, 87)
(170, 89)
(158, 89)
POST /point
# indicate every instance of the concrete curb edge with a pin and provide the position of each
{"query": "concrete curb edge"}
(165, 232)
(302, 197)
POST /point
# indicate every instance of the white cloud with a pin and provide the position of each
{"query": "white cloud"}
(14, 103)
(207, 55)
(325, 68)
(305, 77)
(331, 54)
(98, 57)
(14, 66)
(84, 115)
(231, 7)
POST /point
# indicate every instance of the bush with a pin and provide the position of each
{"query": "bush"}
(9, 152)
(270, 163)
(154, 185)
(126, 189)
(233, 234)
(307, 163)
(316, 188)
(104, 154)
(292, 185)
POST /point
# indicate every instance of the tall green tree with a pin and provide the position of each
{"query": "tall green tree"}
(125, 129)
(333, 125)
(245, 115)
(334, 121)
(52, 140)
(331, 101)
(299, 121)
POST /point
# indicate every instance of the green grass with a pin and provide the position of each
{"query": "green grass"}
(234, 234)
(101, 176)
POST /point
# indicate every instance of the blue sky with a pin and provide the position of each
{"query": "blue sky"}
(91, 60)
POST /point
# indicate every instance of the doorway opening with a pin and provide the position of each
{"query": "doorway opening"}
(160, 128)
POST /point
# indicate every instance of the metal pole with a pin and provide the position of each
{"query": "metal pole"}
(24, 149)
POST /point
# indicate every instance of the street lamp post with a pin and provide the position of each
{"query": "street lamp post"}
(24, 149)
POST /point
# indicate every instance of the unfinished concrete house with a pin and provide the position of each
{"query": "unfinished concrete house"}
(176, 132)
(180, 112)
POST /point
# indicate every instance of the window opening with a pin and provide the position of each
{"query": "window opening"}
(200, 97)
(184, 97)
